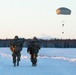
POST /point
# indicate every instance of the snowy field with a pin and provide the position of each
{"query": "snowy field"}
(51, 61)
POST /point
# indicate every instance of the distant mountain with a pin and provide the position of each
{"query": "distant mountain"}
(46, 37)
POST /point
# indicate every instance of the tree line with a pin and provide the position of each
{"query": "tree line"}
(53, 43)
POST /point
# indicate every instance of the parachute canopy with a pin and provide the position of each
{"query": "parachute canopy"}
(63, 11)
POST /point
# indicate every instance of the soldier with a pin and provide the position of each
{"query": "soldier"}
(16, 47)
(33, 49)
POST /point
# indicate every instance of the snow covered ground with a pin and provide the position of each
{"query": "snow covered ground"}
(51, 61)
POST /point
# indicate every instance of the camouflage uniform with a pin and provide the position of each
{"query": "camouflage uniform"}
(16, 48)
(33, 49)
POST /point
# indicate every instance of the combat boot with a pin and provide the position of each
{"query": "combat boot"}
(14, 64)
(35, 64)
(18, 63)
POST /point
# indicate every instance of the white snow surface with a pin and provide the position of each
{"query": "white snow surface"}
(51, 61)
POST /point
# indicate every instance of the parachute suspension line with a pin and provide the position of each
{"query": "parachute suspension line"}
(62, 27)
(62, 23)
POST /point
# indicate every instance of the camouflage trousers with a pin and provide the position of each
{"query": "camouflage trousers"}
(16, 56)
(33, 58)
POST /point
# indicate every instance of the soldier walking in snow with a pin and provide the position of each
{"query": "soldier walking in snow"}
(16, 47)
(33, 49)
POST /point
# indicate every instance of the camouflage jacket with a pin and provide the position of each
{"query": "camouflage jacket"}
(33, 48)
(16, 45)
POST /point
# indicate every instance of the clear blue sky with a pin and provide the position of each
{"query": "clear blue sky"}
(29, 18)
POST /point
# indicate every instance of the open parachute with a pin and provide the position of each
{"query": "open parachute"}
(63, 11)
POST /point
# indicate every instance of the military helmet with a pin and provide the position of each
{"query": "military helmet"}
(16, 37)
